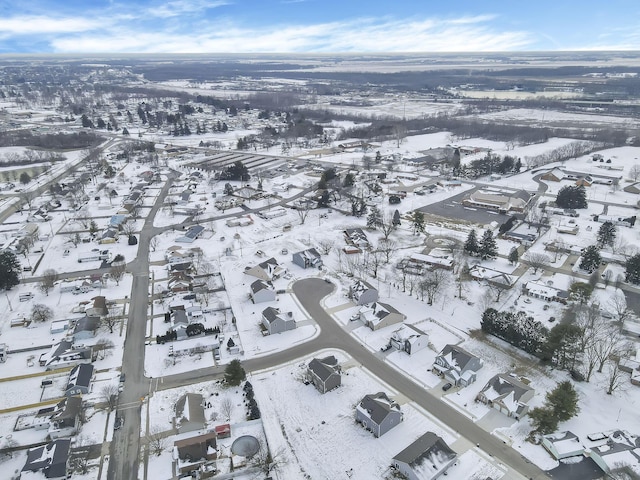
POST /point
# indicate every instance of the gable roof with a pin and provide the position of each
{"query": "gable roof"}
(69, 407)
(456, 357)
(428, 454)
(80, 375)
(505, 389)
(323, 368)
(260, 285)
(50, 458)
(189, 408)
(196, 448)
(377, 406)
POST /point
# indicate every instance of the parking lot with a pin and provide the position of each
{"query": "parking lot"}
(452, 208)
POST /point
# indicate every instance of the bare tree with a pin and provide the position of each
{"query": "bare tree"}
(616, 378)
(267, 462)
(303, 213)
(634, 172)
(157, 440)
(109, 395)
(618, 304)
(386, 226)
(226, 407)
(433, 283)
(128, 228)
(388, 248)
(116, 272)
(538, 261)
(326, 246)
(74, 238)
(27, 197)
(49, 278)
(41, 313)
(153, 243)
(110, 320)
(374, 260)
(103, 348)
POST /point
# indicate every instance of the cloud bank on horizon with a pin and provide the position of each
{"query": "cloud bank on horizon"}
(315, 26)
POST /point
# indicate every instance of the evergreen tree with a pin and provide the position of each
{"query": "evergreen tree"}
(349, 180)
(228, 189)
(9, 270)
(513, 256)
(606, 234)
(564, 401)
(234, 374)
(125, 131)
(471, 245)
(543, 420)
(590, 258)
(417, 220)
(632, 273)
(487, 247)
(396, 218)
(572, 196)
(374, 219)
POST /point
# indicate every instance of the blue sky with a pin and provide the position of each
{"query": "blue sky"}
(316, 26)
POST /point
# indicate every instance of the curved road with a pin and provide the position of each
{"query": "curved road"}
(310, 292)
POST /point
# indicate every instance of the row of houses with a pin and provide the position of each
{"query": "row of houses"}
(427, 458)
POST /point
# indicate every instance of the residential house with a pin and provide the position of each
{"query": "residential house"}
(64, 354)
(428, 458)
(99, 307)
(409, 339)
(620, 450)
(80, 378)
(276, 322)
(380, 315)
(180, 322)
(457, 365)
(493, 277)
(420, 260)
(585, 181)
(269, 270)
(554, 175)
(108, 235)
(50, 459)
(191, 234)
(563, 444)
(544, 292)
(309, 258)
(362, 293)
(189, 413)
(64, 418)
(378, 413)
(192, 452)
(499, 200)
(180, 282)
(507, 394)
(261, 291)
(324, 373)
(86, 328)
(356, 237)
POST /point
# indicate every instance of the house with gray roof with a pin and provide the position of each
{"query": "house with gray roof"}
(324, 373)
(507, 394)
(409, 339)
(269, 270)
(457, 365)
(617, 451)
(309, 258)
(261, 291)
(50, 459)
(189, 413)
(380, 315)
(275, 321)
(378, 413)
(64, 418)
(86, 327)
(428, 458)
(362, 292)
(79, 382)
(563, 444)
(64, 354)
(356, 237)
(191, 234)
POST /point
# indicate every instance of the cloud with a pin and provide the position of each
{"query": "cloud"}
(355, 35)
(29, 24)
(179, 8)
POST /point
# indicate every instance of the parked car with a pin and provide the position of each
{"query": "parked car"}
(191, 296)
(117, 425)
(446, 386)
(122, 377)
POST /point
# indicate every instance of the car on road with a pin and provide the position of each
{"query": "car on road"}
(446, 386)
(117, 425)
(122, 377)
